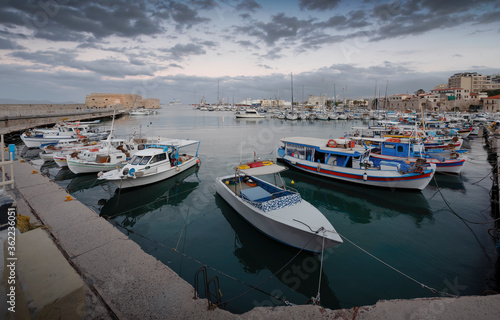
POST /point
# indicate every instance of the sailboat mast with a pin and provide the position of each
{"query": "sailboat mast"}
(291, 77)
(334, 98)
(385, 99)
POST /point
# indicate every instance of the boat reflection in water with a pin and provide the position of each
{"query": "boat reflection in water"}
(131, 204)
(360, 204)
(449, 181)
(29, 153)
(257, 252)
(76, 182)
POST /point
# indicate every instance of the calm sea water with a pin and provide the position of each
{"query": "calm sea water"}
(184, 223)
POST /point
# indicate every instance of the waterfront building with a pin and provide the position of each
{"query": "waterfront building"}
(491, 104)
(452, 93)
(474, 82)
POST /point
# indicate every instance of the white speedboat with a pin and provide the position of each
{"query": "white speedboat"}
(249, 114)
(278, 212)
(155, 163)
(140, 112)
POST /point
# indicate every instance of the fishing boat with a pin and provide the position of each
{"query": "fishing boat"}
(277, 211)
(37, 138)
(156, 162)
(410, 152)
(342, 159)
(112, 154)
(249, 114)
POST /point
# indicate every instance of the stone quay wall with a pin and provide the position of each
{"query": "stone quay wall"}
(19, 117)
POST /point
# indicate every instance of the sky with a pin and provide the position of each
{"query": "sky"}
(63, 50)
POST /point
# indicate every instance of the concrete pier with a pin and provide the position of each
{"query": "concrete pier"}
(123, 282)
(16, 118)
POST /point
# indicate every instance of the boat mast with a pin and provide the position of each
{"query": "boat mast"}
(291, 77)
(385, 99)
(334, 98)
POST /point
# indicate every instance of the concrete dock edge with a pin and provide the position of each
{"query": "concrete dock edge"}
(124, 282)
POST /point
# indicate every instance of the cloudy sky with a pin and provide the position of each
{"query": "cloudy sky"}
(62, 50)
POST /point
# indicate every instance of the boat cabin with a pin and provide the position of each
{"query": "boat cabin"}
(340, 156)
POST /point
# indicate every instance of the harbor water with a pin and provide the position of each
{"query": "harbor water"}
(397, 244)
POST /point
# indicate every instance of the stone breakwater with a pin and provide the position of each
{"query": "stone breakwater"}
(19, 117)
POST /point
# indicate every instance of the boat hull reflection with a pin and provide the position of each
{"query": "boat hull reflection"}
(256, 252)
(361, 205)
(131, 204)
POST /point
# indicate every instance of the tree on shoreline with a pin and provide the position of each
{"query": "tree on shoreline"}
(492, 93)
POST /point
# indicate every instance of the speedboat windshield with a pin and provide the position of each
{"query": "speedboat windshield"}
(140, 160)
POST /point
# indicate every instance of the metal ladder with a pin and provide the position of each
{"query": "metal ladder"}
(214, 297)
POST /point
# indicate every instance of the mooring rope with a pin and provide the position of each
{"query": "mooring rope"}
(455, 213)
(318, 297)
(399, 271)
(221, 272)
(273, 275)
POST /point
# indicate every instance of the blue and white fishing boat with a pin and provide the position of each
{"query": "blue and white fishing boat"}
(156, 162)
(449, 161)
(343, 160)
(276, 210)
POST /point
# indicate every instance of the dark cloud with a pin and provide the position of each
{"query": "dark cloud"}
(68, 58)
(248, 5)
(488, 17)
(273, 54)
(81, 19)
(247, 44)
(265, 66)
(318, 4)
(175, 65)
(353, 20)
(354, 81)
(184, 16)
(181, 51)
(281, 27)
(205, 4)
(414, 25)
(415, 17)
(6, 44)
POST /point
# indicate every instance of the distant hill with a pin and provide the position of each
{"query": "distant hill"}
(15, 101)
